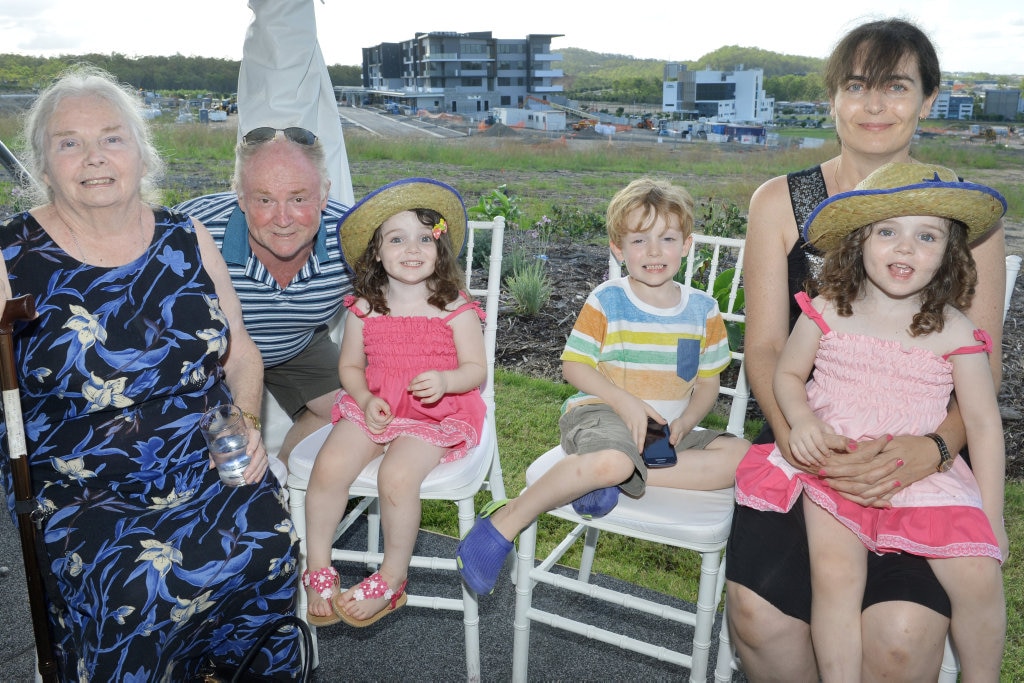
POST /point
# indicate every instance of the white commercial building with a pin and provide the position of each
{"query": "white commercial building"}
(721, 95)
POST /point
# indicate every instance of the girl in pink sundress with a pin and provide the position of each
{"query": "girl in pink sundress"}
(412, 361)
(887, 344)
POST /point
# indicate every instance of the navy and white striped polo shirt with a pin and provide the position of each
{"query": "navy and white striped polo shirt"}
(280, 321)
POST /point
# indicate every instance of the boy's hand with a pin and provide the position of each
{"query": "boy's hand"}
(429, 386)
(377, 415)
(634, 412)
(677, 430)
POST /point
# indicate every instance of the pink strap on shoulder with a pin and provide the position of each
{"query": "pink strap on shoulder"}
(469, 304)
(804, 302)
(984, 347)
(350, 303)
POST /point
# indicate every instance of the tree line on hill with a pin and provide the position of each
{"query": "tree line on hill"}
(176, 76)
(620, 78)
(588, 75)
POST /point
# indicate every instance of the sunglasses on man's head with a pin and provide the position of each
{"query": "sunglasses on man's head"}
(299, 136)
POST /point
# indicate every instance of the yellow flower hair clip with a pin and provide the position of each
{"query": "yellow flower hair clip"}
(440, 228)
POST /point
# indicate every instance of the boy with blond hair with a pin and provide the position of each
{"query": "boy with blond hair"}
(645, 351)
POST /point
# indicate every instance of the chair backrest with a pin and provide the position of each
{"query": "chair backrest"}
(709, 258)
(489, 291)
(1012, 269)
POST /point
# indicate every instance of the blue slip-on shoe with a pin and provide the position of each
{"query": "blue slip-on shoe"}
(481, 554)
(596, 503)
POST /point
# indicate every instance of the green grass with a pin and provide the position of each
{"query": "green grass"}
(527, 421)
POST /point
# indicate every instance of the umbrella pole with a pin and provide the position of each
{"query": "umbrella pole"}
(23, 308)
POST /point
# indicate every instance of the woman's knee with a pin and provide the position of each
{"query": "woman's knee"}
(902, 640)
(771, 645)
(754, 622)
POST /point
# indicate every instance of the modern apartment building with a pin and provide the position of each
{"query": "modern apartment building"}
(462, 73)
(736, 95)
(950, 106)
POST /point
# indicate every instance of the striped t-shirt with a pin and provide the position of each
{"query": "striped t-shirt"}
(280, 321)
(656, 354)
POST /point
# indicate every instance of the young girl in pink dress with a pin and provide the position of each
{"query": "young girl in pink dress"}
(887, 344)
(412, 361)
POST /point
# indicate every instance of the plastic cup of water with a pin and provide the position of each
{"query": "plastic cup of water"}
(227, 435)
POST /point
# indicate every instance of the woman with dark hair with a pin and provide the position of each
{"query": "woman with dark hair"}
(882, 78)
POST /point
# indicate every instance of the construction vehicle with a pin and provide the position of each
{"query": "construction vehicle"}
(584, 124)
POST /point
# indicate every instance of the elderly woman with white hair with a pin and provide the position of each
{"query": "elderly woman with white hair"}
(159, 567)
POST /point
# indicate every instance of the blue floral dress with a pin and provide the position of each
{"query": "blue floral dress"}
(158, 564)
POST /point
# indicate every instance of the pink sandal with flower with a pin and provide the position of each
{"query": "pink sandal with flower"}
(373, 588)
(324, 581)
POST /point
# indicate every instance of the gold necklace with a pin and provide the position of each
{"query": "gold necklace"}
(74, 238)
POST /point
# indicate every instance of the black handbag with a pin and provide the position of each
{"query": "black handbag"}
(215, 672)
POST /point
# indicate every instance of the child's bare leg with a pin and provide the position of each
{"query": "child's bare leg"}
(704, 469)
(975, 589)
(569, 479)
(343, 455)
(406, 464)
(838, 576)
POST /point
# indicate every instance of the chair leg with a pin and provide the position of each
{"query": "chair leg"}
(524, 597)
(707, 603)
(297, 503)
(950, 664)
(589, 552)
(723, 665)
(470, 600)
(373, 532)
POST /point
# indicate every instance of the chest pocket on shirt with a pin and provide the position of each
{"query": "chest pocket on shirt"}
(687, 356)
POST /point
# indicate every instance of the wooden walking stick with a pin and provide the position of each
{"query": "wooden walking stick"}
(23, 308)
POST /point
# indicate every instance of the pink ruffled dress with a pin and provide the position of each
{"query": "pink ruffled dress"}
(399, 348)
(864, 388)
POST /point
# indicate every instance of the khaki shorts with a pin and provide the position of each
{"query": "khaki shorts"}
(596, 427)
(311, 374)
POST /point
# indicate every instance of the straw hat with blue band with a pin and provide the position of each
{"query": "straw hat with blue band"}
(356, 228)
(905, 189)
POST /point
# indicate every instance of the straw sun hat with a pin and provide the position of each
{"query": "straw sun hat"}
(356, 227)
(904, 189)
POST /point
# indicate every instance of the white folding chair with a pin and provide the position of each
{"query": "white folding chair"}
(457, 481)
(695, 520)
(950, 667)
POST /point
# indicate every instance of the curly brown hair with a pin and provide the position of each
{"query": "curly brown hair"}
(842, 278)
(444, 284)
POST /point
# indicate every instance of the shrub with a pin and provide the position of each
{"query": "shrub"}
(530, 288)
(575, 223)
(498, 203)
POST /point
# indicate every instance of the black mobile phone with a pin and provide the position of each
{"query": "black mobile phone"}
(658, 452)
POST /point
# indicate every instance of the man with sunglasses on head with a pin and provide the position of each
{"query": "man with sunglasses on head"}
(277, 232)
(277, 229)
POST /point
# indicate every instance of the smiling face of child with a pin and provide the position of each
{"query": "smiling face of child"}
(652, 256)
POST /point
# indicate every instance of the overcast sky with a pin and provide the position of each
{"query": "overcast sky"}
(971, 35)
